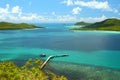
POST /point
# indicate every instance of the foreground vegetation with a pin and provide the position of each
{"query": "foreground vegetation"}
(106, 25)
(30, 71)
(12, 26)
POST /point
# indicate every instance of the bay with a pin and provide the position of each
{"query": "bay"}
(84, 47)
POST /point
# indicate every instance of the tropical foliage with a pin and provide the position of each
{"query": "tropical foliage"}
(30, 71)
(107, 25)
(82, 23)
(12, 26)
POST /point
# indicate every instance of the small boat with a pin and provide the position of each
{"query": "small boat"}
(42, 55)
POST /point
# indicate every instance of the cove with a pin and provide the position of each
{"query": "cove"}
(84, 47)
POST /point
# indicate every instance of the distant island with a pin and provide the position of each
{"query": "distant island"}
(13, 26)
(112, 24)
(82, 24)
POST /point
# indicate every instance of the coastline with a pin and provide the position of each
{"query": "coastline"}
(23, 29)
(33, 28)
(100, 31)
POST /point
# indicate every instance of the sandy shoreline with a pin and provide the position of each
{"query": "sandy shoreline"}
(32, 29)
(96, 31)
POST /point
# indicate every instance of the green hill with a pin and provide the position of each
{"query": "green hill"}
(12, 26)
(107, 25)
(82, 23)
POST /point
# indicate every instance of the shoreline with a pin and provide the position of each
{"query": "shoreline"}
(20, 29)
(19, 63)
(101, 31)
(33, 28)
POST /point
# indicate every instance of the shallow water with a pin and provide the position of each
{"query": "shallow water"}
(83, 72)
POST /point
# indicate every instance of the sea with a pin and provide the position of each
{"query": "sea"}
(93, 55)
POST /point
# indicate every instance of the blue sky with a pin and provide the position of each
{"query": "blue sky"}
(58, 10)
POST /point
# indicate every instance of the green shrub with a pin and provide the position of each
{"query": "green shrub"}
(30, 71)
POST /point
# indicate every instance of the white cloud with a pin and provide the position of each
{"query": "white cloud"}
(7, 6)
(4, 10)
(94, 5)
(76, 10)
(93, 19)
(15, 14)
(68, 2)
(66, 18)
(16, 9)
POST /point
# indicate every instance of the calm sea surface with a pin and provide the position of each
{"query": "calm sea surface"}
(83, 47)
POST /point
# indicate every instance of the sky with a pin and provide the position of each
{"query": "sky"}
(39, 11)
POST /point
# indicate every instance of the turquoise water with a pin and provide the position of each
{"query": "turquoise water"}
(84, 47)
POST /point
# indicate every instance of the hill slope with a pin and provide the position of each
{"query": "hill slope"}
(82, 23)
(12, 26)
(30, 71)
(108, 25)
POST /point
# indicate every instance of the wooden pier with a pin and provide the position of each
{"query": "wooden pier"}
(50, 57)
